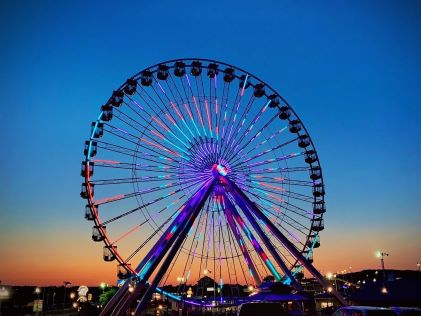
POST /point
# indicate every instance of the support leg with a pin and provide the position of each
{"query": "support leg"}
(123, 297)
(241, 243)
(277, 233)
(265, 240)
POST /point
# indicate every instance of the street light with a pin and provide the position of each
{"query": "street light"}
(180, 279)
(103, 285)
(380, 255)
(4, 294)
(131, 288)
(66, 283)
(329, 275)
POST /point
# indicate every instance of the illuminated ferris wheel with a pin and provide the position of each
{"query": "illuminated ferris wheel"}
(195, 168)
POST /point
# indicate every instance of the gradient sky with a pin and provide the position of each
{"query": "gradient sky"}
(351, 70)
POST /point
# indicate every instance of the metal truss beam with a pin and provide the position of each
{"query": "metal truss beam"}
(239, 194)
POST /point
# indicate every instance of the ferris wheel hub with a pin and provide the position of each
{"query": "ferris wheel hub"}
(219, 170)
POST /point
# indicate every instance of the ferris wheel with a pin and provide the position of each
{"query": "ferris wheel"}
(198, 169)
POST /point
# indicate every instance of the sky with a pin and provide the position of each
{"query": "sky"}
(351, 70)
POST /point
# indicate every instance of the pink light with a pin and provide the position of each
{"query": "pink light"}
(170, 118)
(207, 113)
(160, 123)
(157, 134)
(197, 109)
(276, 198)
(188, 111)
(111, 162)
(264, 256)
(159, 146)
(126, 234)
(176, 110)
(271, 186)
(109, 199)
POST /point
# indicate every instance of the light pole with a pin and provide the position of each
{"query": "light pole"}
(4, 295)
(381, 255)
(37, 304)
(66, 283)
(103, 285)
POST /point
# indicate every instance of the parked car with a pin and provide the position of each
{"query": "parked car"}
(263, 309)
(407, 311)
(364, 311)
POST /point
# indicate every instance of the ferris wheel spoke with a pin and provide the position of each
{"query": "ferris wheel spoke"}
(120, 197)
(146, 140)
(186, 103)
(237, 152)
(241, 121)
(142, 179)
(153, 130)
(130, 231)
(229, 127)
(236, 122)
(239, 136)
(281, 180)
(180, 110)
(156, 200)
(283, 196)
(285, 205)
(279, 169)
(157, 157)
(245, 165)
(153, 234)
(172, 118)
(192, 97)
(267, 151)
(271, 204)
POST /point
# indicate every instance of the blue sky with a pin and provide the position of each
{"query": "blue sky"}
(351, 70)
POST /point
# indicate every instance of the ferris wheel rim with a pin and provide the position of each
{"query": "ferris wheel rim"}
(97, 219)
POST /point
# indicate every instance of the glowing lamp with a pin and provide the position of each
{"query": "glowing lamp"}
(218, 169)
